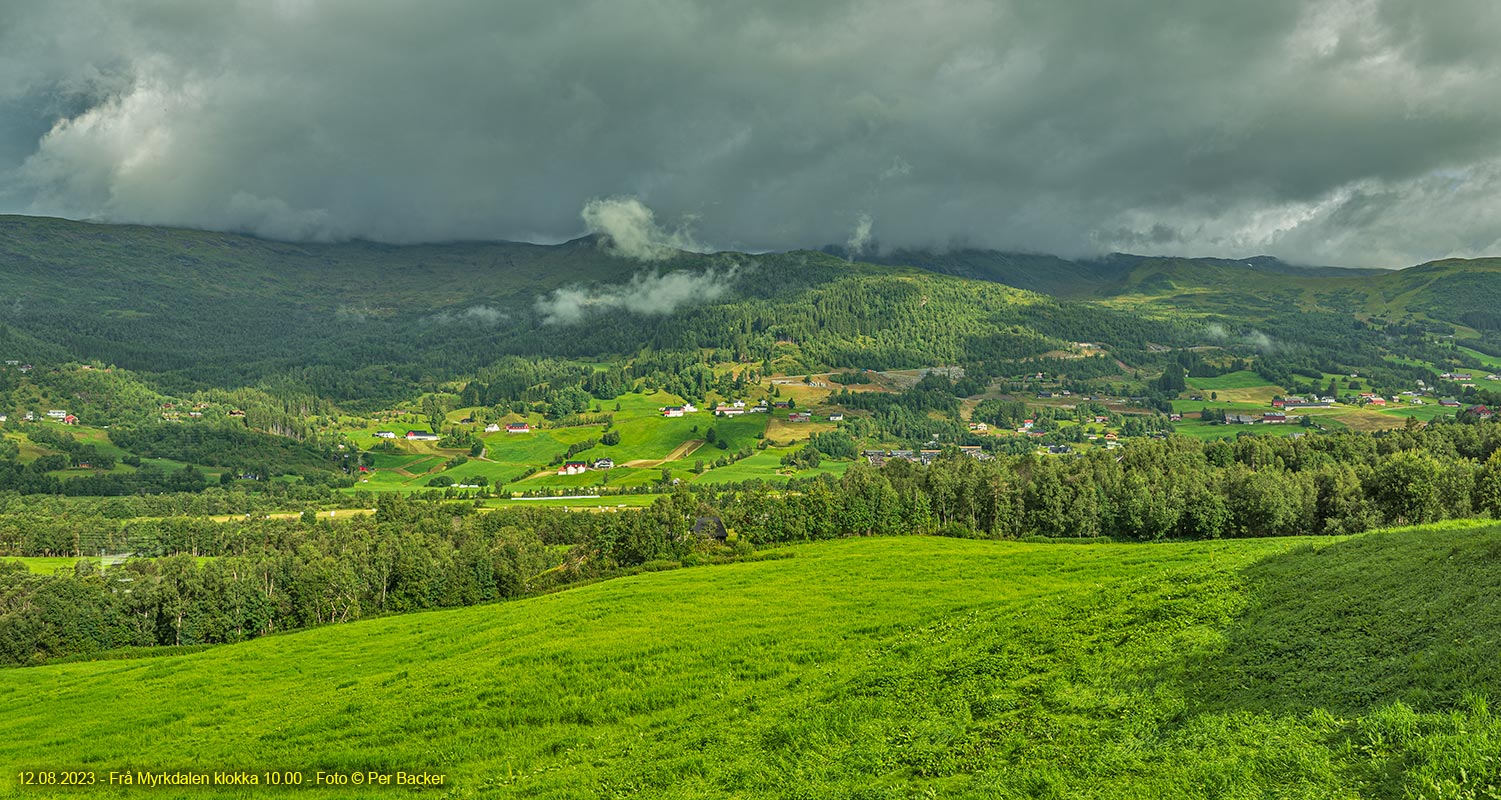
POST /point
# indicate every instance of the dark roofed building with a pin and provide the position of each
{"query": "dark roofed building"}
(710, 528)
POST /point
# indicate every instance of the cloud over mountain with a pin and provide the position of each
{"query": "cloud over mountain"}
(1359, 132)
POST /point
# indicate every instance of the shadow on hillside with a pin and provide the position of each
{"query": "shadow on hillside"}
(1354, 625)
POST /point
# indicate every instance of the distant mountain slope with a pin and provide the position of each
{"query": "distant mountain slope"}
(858, 668)
(216, 308)
(1457, 291)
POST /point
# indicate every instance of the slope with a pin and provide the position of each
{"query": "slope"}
(855, 669)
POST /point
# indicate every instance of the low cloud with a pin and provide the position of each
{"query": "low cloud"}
(1261, 341)
(647, 293)
(632, 230)
(1254, 338)
(482, 316)
(860, 237)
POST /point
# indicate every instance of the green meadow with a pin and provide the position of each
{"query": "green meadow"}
(1491, 362)
(1245, 379)
(858, 668)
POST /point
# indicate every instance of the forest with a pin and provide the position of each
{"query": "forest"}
(208, 582)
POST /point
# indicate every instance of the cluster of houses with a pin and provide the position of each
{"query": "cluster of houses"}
(56, 415)
(1269, 418)
(678, 411)
(580, 467)
(15, 364)
(735, 408)
(924, 456)
(1293, 402)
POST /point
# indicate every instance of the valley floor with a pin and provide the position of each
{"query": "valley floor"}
(860, 668)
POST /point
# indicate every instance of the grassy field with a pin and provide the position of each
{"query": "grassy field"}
(1245, 379)
(868, 668)
(1491, 362)
(42, 565)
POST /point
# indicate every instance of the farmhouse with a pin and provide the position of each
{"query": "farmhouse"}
(237, 413)
(56, 414)
(605, 463)
(1241, 419)
(1274, 418)
(723, 410)
(1449, 402)
(70, 420)
(518, 427)
(1480, 412)
(1174, 417)
(672, 411)
(836, 417)
(799, 416)
(738, 404)
(421, 436)
(573, 468)
(492, 428)
(385, 434)
(711, 528)
(979, 427)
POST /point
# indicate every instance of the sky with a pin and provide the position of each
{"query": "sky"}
(1342, 132)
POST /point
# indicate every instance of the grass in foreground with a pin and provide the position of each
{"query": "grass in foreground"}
(874, 668)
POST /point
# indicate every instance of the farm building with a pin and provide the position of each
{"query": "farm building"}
(836, 417)
(604, 463)
(723, 410)
(799, 416)
(573, 468)
(711, 528)
(518, 427)
(492, 428)
(385, 434)
(421, 436)
(672, 411)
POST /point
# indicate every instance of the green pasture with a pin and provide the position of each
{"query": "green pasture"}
(1244, 379)
(859, 668)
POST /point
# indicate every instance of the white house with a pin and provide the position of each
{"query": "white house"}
(573, 468)
(56, 414)
(385, 434)
(492, 428)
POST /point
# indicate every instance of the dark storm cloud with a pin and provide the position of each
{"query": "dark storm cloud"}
(1359, 132)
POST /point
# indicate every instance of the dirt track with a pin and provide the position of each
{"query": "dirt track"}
(681, 451)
